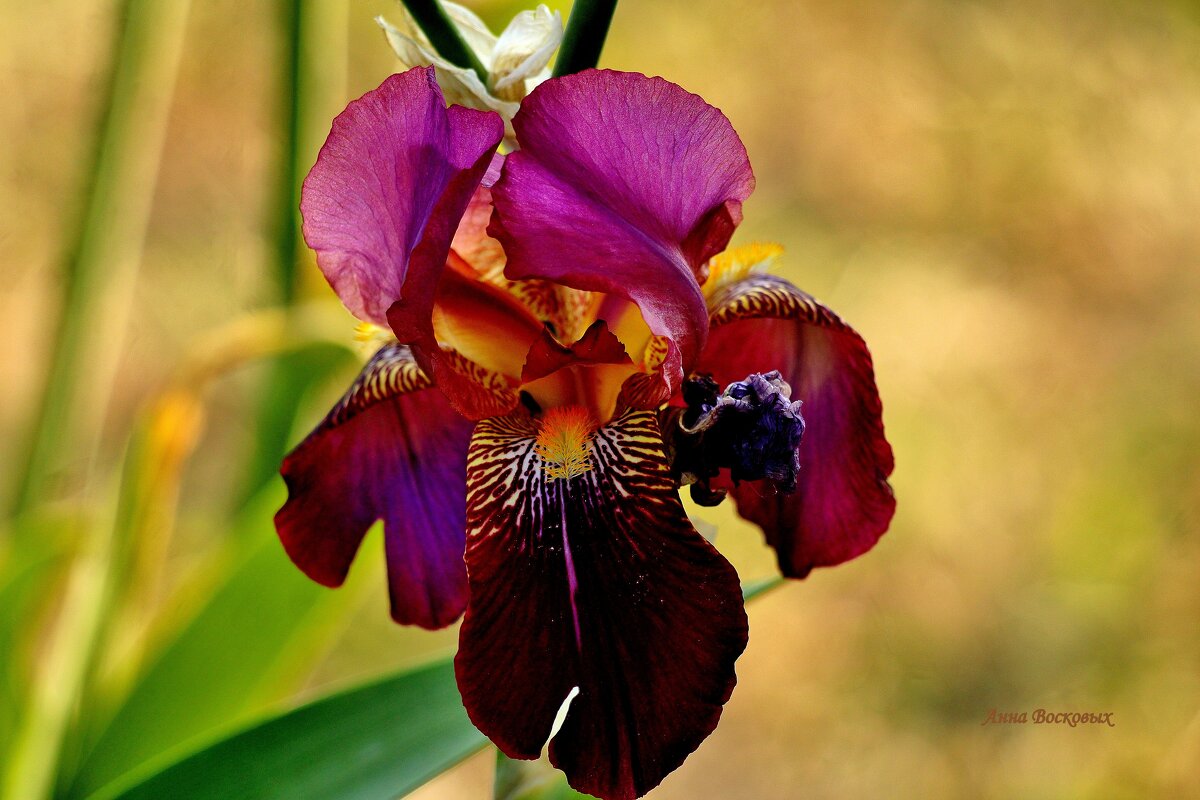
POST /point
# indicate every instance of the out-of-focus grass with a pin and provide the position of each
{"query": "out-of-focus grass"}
(1001, 195)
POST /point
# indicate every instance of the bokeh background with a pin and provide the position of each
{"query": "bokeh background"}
(1003, 196)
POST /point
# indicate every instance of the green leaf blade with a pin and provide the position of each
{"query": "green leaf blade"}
(371, 743)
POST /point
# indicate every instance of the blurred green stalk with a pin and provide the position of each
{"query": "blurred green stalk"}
(587, 28)
(312, 90)
(37, 749)
(98, 275)
(100, 267)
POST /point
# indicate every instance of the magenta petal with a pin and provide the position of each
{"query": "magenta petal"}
(394, 450)
(626, 185)
(389, 187)
(597, 582)
(843, 502)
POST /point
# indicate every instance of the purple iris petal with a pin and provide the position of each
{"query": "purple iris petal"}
(395, 450)
(626, 185)
(383, 200)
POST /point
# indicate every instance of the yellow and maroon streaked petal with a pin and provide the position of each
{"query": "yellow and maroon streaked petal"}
(474, 391)
(843, 502)
(567, 311)
(391, 449)
(596, 581)
(482, 322)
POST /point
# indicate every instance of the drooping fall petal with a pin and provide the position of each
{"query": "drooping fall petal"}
(624, 185)
(383, 201)
(596, 581)
(842, 503)
(391, 449)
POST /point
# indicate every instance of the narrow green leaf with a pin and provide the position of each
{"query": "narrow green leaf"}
(376, 742)
(32, 566)
(287, 200)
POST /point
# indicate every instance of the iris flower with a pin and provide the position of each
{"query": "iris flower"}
(570, 344)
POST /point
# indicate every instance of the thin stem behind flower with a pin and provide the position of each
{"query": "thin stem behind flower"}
(435, 23)
(587, 28)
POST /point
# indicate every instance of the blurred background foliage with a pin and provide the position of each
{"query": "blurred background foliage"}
(1002, 195)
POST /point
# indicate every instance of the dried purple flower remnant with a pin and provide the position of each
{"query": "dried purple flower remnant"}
(752, 429)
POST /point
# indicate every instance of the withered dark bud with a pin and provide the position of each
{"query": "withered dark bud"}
(753, 429)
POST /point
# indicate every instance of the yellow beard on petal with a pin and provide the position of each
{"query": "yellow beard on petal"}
(734, 265)
(564, 442)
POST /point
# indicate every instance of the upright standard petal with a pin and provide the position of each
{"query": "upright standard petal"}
(382, 202)
(842, 503)
(593, 579)
(391, 449)
(625, 185)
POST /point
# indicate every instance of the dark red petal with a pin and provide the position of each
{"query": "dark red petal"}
(843, 502)
(599, 582)
(391, 449)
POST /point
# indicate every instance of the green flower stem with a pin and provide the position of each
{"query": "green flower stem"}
(100, 266)
(758, 588)
(287, 187)
(444, 36)
(586, 31)
(531, 780)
